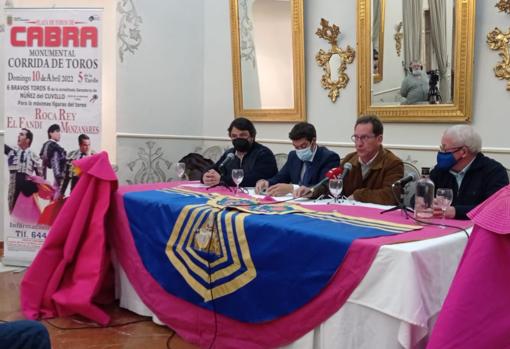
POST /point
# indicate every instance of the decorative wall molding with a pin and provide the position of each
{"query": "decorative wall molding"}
(500, 41)
(396, 146)
(128, 34)
(330, 33)
(398, 36)
(247, 44)
(167, 136)
(149, 166)
(503, 6)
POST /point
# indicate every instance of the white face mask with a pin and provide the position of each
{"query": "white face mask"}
(417, 72)
(305, 154)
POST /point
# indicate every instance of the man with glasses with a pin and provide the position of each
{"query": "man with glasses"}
(256, 160)
(374, 168)
(306, 165)
(462, 167)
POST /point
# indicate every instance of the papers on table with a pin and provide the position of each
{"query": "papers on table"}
(194, 185)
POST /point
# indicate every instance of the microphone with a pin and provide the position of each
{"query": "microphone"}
(333, 173)
(404, 180)
(347, 169)
(228, 158)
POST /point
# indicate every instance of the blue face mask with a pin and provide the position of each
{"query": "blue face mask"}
(305, 154)
(445, 161)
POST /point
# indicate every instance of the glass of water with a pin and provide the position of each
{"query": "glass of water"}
(237, 177)
(444, 198)
(335, 187)
(180, 168)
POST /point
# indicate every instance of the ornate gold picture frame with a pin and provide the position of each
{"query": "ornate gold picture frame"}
(460, 110)
(244, 54)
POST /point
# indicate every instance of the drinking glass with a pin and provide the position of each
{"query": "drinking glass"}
(335, 187)
(444, 197)
(237, 177)
(180, 168)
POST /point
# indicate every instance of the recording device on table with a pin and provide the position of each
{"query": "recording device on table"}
(404, 180)
(400, 185)
(228, 158)
(347, 169)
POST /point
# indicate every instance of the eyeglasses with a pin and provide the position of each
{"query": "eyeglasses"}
(362, 139)
(442, 149)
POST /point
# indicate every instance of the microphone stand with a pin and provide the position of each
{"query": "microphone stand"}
(400, 201)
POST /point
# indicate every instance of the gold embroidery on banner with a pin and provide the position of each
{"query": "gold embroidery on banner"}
(193, 253)
(186, 264)
(221, 273)
(205, 237)
(364, 222)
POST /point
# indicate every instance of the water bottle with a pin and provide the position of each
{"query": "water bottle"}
(424, 196)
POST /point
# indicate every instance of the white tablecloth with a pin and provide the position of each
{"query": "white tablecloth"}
(395, 306)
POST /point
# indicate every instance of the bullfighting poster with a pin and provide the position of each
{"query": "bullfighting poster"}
(52, 67)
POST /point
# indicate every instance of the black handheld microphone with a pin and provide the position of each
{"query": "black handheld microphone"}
(404, 180)
(228, 158)
(347, 169)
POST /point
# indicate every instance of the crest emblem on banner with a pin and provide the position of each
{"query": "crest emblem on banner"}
(209, 249)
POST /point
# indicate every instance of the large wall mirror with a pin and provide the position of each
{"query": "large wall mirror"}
(428, 75)
(268, 59)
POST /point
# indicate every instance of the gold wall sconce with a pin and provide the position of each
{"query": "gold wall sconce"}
(398, 36)
(499, 41)
(330, 34)
(503, 6)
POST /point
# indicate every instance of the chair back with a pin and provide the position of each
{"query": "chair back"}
(281, 159)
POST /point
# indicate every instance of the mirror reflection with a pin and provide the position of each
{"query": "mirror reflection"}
(378, 39)
(266, 54)
(423, 72)
(268, 59)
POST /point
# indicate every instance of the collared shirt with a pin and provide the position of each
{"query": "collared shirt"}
(459, 176)
(365, 167)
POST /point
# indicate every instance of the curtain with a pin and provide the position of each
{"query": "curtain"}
(438, 36)
(376, 24)
(412, 19)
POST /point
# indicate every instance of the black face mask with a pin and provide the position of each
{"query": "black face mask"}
(241, 144)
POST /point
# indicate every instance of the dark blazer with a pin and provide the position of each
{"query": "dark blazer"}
(484, 177)
(323, 161)
(258, 163)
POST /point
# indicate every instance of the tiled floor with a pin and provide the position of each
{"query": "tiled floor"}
(127, 330)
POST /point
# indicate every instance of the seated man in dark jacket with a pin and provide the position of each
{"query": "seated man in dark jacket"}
(256, 160)
(306, 165)
(462, 167)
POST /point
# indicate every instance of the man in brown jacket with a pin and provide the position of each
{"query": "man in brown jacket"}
(374, 169)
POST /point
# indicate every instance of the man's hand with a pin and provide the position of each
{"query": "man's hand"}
(261, 186)
(211, 178)
(303, 192)
(280, 189)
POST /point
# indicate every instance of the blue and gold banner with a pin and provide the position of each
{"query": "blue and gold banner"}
(248, 261)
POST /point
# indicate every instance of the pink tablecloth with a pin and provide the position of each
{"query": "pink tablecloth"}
(200, 326)
(476, 312)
